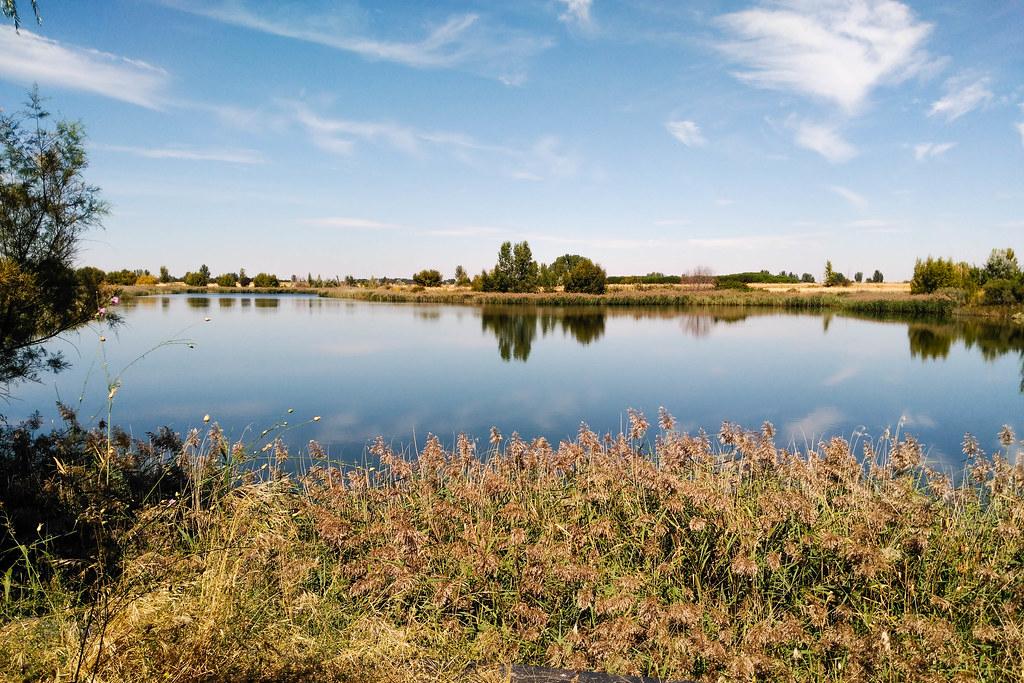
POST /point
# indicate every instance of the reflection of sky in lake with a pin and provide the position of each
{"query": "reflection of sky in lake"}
(404, 370)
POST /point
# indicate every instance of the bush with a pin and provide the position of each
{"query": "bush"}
(123, 278)
(1003, 292)
(877, 277)
(427, 278)
(243, 279)
(724, 282)
(807, 277)
(933, 274)
(834, 278)
(265, 280)
(145, 279)
(227, 280)
(586, 277)
(200, 278)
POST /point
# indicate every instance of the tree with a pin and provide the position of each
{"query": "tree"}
(227, 280)
(546, 278)
(935, 273)
(165, 275)
(561, 266)
(45, 207)
(427, 278)
(461, 278)
(1001, 265)
(858, 276)
(834, 278)
(9, 8)
(807, 277)
(200, 278)
(586, 277)
(524, 269)
(265, 280)
(243, 279)
(878, 277)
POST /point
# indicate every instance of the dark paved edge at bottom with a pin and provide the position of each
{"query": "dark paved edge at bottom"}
(539, 674)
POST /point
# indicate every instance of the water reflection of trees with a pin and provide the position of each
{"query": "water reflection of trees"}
(933, 341)
(516, 327)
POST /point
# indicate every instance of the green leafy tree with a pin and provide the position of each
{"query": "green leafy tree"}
(524, 269)
(243, 279)
(834, 278)
(200, 278)
(878, 277)
(461, 278)
(586, 277)
(165, 275)
(45, 207)
(807, 277)
(858, 276)
(546, 278)
(561, 266)
(265, 280)
(427, 278)
(933, 274)
(1002, 265)
(227, 280)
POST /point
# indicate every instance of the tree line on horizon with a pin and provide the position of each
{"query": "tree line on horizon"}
(999, 282)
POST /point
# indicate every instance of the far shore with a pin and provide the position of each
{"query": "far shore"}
(889, 298)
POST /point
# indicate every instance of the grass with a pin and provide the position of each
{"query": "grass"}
(885, 303)
(652, 551)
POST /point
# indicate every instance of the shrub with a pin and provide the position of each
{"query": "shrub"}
(145, 279)
(461, 278)
(243, 279)
(123, 277)
(858, 276)
(586, 277)
(165, 275)
(227, 280)
(877, 277)
(265, 280)
(807, 277)
(1003, 292)
(933, 274)
(427, 278)
(200, 278)
(1001, 265)
(834, 278)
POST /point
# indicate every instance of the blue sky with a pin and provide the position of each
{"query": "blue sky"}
(346, 138)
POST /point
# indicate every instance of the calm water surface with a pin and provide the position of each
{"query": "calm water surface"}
(403, 370)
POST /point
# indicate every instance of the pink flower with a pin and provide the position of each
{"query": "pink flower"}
(115, 300)
(102, 312)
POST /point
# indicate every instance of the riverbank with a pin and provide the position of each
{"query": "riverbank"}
(651, 552)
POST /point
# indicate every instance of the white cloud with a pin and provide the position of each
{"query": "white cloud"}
(686, 132)
(543, 160)
(814, 425)
(930, 150)
(230, 156)
(869, 223)
(836, 50)
(1020, 129)
(849, 195)
(963, 95)
(27, 58)
(1012, 225)
(825, 140)
(724, 201)
(348, 222)
(464, 41)
(667, 222)
(577, 12)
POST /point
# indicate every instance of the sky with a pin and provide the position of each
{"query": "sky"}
(382, 138)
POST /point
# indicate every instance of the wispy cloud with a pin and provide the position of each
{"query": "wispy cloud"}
(849, 195)
(229, 156)
(577, 13)
(825, 140)
(27, 58)
(841, 375)
(686, 132)
(964, 94)
(350, 223)
(466, 41)
(814, 425)
(1020, 129)
(930, 150)
(542, 160)
(838, 51)
(724, 201)
(668, 222)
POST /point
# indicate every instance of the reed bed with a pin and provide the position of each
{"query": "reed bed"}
(649, 552)
(865, 303)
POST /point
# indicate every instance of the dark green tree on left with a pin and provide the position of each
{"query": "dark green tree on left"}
(46, 206)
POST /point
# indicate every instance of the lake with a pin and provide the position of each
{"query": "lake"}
(406, 370)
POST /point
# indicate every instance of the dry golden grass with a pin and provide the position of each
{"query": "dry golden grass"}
(683, 556)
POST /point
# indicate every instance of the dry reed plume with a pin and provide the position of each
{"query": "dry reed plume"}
(673, 555)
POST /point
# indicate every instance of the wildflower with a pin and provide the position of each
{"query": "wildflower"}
(115, 300)
(102, 312)
(1006, 435)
